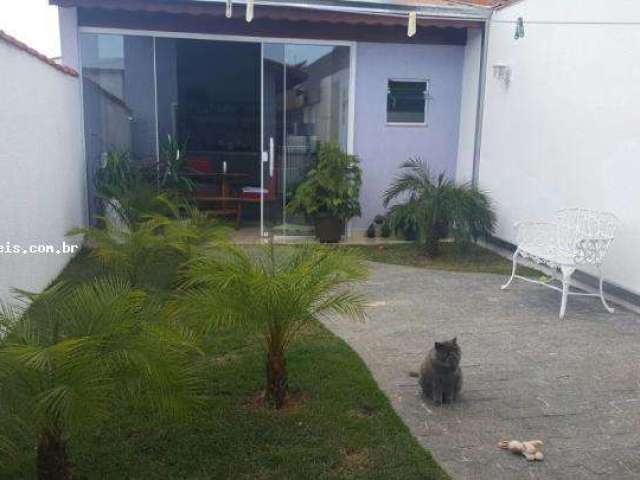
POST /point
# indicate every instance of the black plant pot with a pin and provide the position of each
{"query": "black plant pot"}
(410, 234)
(441, 229)
(329, 229)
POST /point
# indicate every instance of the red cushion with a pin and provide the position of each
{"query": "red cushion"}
(200, 165)
(249, 196)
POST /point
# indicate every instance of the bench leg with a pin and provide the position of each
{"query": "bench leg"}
(513, 270)
(566, 279)
(602, 299)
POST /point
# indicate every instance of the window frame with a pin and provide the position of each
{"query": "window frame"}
(427, 100)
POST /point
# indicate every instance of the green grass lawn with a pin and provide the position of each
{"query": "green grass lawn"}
(338, 425)
(475, 259)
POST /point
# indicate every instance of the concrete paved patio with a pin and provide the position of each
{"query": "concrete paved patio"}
(573, 383)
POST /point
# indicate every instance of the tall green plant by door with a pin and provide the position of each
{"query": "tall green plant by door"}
(171, 170)
(331, 189)
(130, 189)
(436, 205)
(126, 190)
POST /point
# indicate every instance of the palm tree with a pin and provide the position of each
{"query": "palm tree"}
(441, 205)
(275, 293)
(76, 352)
(132, 250)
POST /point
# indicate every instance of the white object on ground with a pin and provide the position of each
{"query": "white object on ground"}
(531, 450)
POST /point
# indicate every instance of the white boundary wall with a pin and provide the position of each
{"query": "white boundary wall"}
(42, 167)
(566, 131)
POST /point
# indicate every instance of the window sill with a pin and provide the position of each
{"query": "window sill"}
(398, 124)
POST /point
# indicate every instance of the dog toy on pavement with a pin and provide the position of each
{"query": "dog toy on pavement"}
(531, 450)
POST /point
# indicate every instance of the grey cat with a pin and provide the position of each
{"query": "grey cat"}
(440, 374)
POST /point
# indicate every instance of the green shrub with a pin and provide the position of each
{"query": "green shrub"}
(332, 187)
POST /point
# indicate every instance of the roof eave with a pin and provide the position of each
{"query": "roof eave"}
(382, 7)
(459, 12)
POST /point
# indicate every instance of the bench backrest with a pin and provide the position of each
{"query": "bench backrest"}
(587, 234)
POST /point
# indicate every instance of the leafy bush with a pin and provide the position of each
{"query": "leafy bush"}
(130, 190)
(125, 189)
(118, 172)
(331, 188)
(437, 205)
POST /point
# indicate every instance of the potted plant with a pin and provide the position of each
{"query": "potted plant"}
(330, 194)
(378, 222)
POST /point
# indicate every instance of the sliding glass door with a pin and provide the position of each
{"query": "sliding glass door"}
(305, 102)
(248, 115)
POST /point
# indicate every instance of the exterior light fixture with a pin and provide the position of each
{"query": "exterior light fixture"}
(229, 10)
(249, 16)
(502, 73)
(411, 27)
(519, 29)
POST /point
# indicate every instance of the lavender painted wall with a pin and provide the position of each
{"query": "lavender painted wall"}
(382, 148)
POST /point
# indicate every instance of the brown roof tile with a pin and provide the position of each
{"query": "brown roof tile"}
(465, 3)
(5, 37)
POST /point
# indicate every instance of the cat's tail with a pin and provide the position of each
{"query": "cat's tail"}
(414, 374)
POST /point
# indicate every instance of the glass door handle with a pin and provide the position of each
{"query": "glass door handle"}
(272, 154)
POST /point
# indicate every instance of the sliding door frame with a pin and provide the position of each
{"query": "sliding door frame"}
(246, 39)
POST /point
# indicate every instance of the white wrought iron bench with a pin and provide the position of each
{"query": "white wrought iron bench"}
(578, 237)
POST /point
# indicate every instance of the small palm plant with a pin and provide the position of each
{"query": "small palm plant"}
(275, 292)
(130, 253)
(76, 352)
(187, 227)
(134, 250)
(438, 205)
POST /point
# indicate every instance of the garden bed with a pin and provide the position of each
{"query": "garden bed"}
(338, 424)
